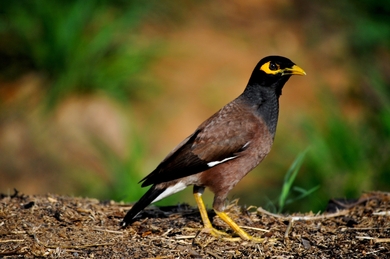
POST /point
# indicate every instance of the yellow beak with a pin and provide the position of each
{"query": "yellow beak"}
(295, 70)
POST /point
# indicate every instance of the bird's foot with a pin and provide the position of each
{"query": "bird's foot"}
(210, 230)
(220, 234)
(227, 237)
(215, 232)
(256, 239)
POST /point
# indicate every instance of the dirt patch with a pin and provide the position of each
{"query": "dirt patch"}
(68, 227)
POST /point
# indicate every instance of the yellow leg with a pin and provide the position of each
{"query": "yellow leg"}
(210, 229)
(205, 218)
(237, 228)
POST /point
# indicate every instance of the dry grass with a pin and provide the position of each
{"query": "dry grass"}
(68, 227)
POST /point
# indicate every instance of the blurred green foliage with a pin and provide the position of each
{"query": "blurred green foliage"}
(349, 156)
(78, 46)
(83, 47)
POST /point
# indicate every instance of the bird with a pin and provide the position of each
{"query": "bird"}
(224, 148)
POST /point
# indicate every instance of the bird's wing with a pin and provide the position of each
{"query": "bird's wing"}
(217, 140)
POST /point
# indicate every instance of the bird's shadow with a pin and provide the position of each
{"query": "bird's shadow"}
(184, 210)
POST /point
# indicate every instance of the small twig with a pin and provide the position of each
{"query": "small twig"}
(108, 231)
(77, 247)
(166, 232)
(160, 257)
(373, 252)
(253, 228)
(363, 237)
(360, 229)
(263, 211)
(382, 240)
(375, 239)
(291, 222)
(19, 232)
(185, 237)
(381, 213)
(291, 219)
(304, 218)
(183, 242)
(13, 252)
(11, 240)
(251, 207)
(259, 249)
(37, 240)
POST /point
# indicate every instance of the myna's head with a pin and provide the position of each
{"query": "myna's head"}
(273, 70)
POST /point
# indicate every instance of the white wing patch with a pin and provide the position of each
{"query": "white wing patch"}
(214, 163)
(246, 144)
(171, 190)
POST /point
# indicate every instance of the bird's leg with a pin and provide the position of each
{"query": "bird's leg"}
(198, 191)
(244, 235)
(207, 226)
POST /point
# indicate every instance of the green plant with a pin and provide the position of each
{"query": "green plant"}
(284, 198)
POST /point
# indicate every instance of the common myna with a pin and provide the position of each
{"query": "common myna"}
(225, 147)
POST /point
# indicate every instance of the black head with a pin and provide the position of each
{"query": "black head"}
(273, 70)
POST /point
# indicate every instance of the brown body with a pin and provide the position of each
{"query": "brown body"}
(243, 134)
(245, 128)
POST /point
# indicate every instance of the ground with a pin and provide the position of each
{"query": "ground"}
(68, 227)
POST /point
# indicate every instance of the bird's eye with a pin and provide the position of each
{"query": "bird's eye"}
(273, 66)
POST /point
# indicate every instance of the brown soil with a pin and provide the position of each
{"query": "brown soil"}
(68, 227)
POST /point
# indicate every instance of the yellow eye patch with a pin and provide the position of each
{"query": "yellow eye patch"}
(267, 68)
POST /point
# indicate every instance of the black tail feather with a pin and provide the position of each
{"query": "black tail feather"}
(145, 200)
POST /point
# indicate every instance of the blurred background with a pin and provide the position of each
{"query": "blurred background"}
(94, 94)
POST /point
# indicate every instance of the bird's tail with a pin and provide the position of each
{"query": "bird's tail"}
(145, 200)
